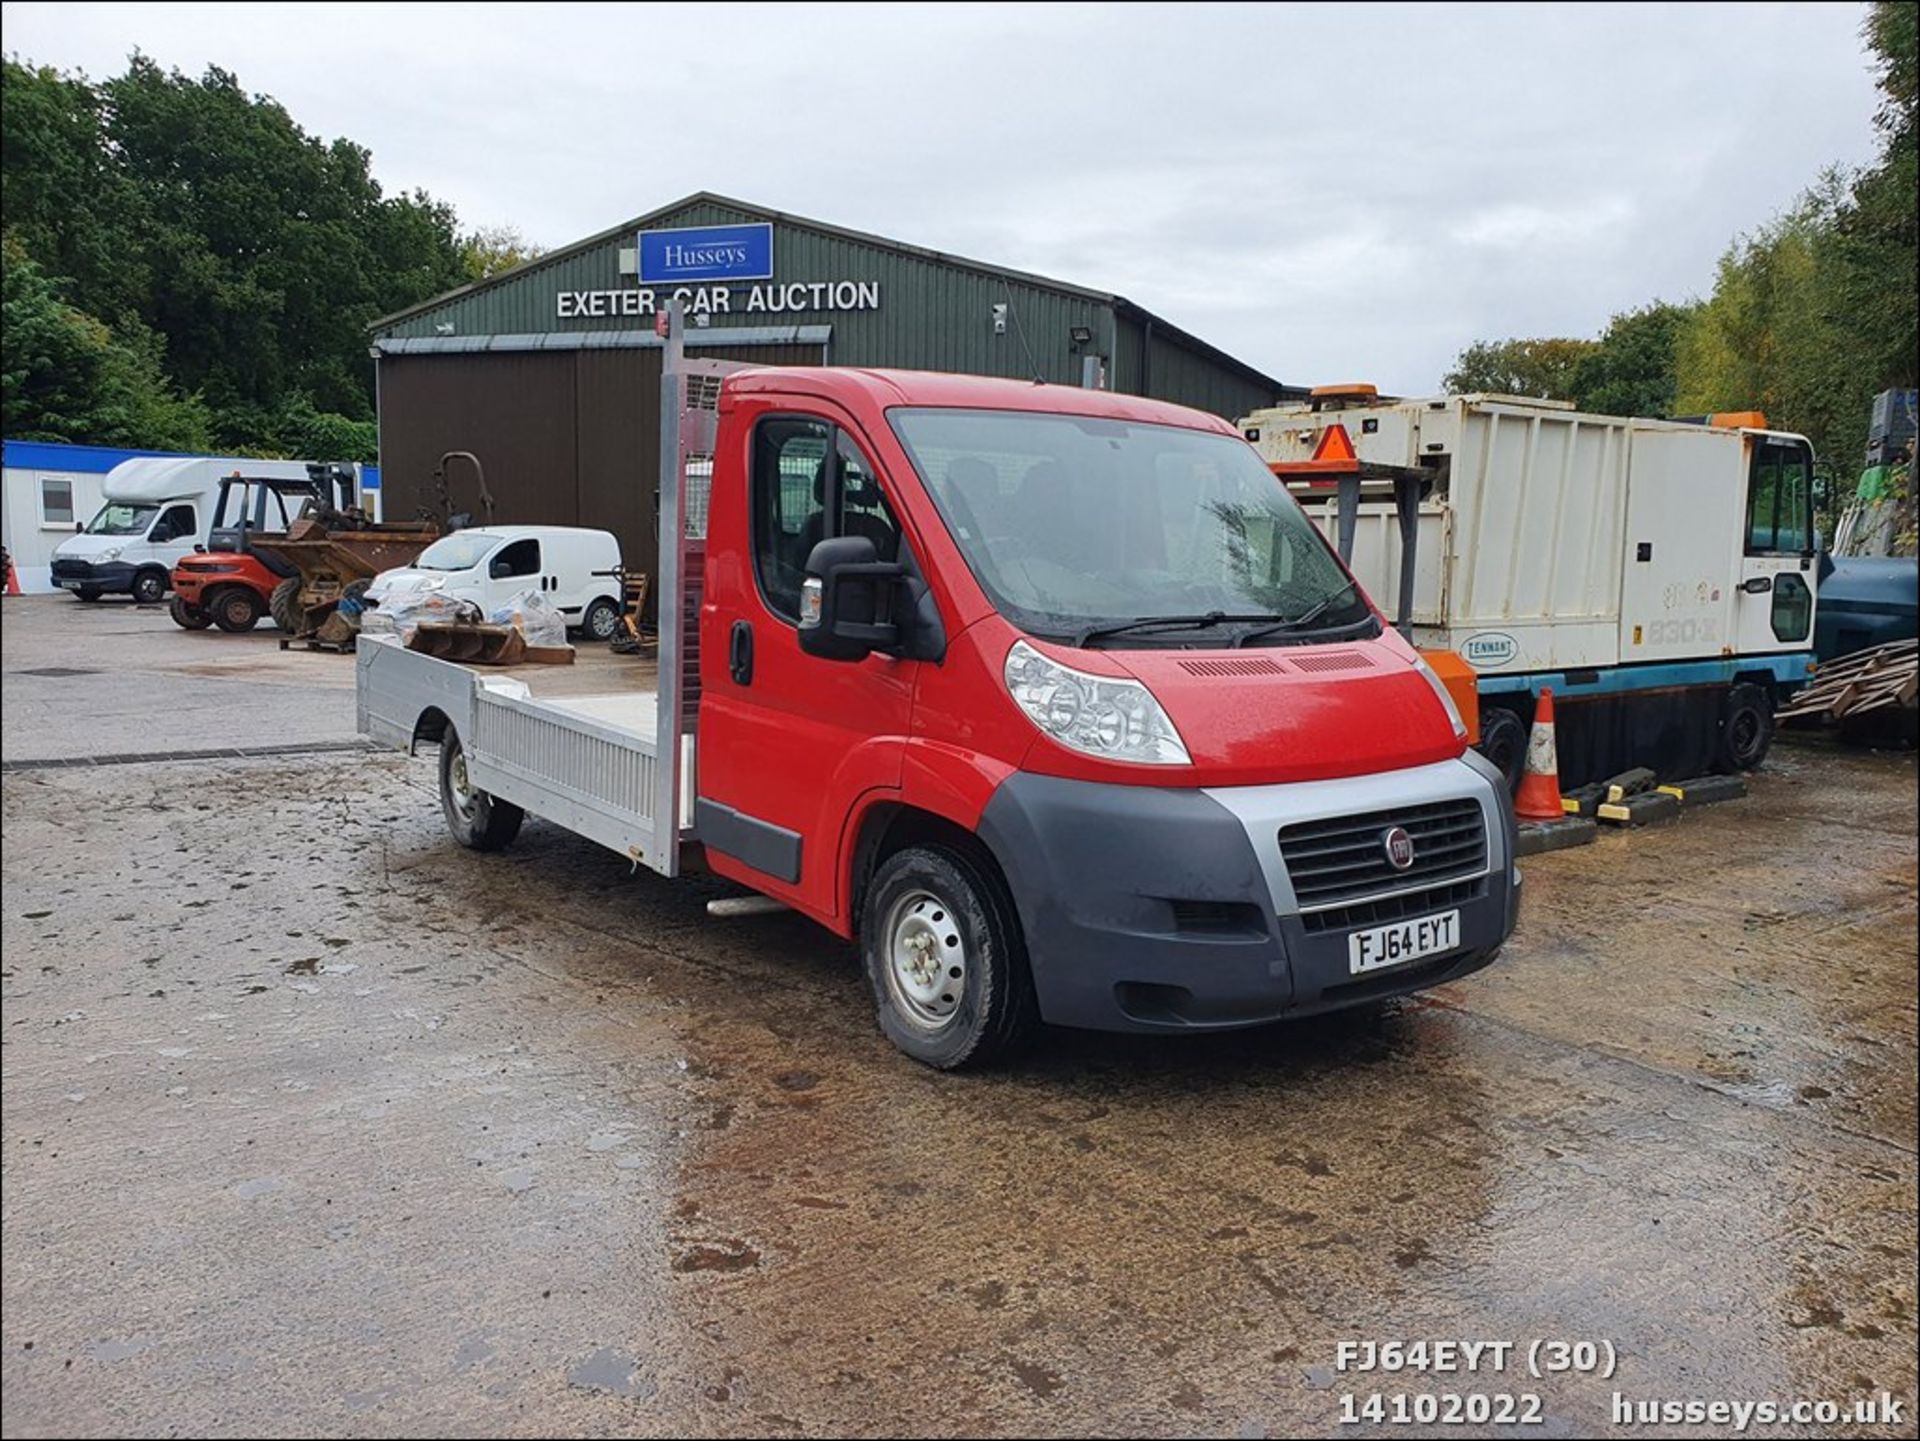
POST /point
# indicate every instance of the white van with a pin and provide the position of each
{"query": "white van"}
(157, 509)
(489, 565)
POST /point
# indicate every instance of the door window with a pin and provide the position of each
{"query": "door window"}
(810, 483)
(176, 523)
(517, 558)
(1780, 499)
(789, 505)
(1792, 614)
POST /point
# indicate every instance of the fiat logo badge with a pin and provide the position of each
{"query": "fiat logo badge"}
(1399, 847)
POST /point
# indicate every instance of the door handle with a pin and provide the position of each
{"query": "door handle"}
(740, 653)
(1757, 584)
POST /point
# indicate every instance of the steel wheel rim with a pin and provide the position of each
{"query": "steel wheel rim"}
(460, 786)
(1746, 731)
(926, 960)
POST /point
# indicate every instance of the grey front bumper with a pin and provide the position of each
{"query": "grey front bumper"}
(1154, 909)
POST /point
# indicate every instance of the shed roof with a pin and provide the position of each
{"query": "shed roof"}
(1120, 303)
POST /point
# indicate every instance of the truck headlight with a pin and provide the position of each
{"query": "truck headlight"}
(1095, 714)
(1432, 678)
(107, 556)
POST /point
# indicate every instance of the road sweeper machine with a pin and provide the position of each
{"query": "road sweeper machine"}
(1658, 575)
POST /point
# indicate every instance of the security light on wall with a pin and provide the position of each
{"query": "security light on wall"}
(1081, 334)
(445, 327)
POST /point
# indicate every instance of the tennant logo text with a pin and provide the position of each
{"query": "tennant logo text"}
(707, 252)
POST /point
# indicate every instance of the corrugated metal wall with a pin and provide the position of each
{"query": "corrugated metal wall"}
(567, 438)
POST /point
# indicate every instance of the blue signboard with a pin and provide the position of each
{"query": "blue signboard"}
(706, 252)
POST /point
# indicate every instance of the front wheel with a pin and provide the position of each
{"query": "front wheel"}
(478, 821)
(188, 617)
(1746, 728)
(148, 587)
(946, 959)
(1503, 741)
(235, 609)
(87, 592)
(601, 620)
(284, 605)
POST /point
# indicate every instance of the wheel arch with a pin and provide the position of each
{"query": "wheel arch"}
(886, 826)
(431, 725)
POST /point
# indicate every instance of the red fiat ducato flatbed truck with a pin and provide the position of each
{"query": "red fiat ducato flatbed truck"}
(1052, 698)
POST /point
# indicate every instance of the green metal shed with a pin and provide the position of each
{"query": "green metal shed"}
(546, 371)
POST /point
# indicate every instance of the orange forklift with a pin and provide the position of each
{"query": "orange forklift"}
(227, 582)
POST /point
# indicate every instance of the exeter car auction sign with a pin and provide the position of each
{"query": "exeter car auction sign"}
(703, 267)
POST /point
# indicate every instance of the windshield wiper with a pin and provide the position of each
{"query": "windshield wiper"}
(1167, 622)
(1298, 622)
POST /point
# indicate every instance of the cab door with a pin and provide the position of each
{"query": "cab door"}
(788, 742)
(1774, 608)
(510, 569)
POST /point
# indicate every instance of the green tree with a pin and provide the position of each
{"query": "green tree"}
(1630, 370)
(494, 249)
(1542, 368)
(1813, 314)
(66, 376)
(195, 210)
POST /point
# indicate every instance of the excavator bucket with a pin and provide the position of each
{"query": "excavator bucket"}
(470, 644)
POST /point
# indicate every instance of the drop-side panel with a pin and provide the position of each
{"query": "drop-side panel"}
(596, 780)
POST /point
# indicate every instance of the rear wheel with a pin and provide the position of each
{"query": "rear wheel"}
(1503, 741)
(601, 620)
(479, 821)
(284, 605)
(191, 617)
(235, 609)
(1746, 728)
(148, 587)
(946, 959)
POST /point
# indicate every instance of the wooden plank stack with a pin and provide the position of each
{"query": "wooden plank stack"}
(1883, 678)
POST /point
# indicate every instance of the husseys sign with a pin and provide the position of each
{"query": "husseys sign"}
(714, 270)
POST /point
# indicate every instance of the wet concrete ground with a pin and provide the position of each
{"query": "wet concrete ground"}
(317, 1124)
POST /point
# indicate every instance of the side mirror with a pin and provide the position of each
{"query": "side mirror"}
(500, 570)
(847, 600)
(79, 528)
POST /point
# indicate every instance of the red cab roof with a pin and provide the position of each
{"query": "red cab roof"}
(889, 389)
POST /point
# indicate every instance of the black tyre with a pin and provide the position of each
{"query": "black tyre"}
(87, 592)
(235, 609)
(189, 617)
(477, 820)
(284, 605)
(148, 587)
(1503, 740)
(601, 621)
(1746, 729)
(946, 959)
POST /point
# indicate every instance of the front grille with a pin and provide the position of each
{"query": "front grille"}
(1394, 908)
(78, 569)
(1344, 858)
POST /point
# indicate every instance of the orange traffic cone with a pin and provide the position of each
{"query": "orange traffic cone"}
(13, 581)
(1538, 798)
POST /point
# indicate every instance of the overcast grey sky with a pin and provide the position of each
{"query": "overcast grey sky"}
(1327, 192)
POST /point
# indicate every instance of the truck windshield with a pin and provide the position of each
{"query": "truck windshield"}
(118, 518)
(460, 551)
(1080, 528)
